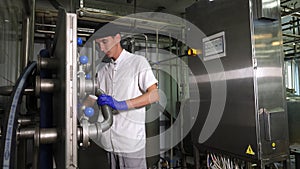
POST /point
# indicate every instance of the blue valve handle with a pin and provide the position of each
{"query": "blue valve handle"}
(83, 59)
(79, 41)
(89, 111)
(88, 76)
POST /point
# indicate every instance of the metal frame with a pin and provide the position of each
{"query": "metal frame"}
(65, 100)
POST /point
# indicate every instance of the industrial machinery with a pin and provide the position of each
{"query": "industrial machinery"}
(59, 125)
(61, 128)
(245, 123)
(231, 94)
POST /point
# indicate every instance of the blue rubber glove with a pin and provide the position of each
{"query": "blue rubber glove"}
(110, 101)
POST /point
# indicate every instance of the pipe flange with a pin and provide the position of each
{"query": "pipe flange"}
(85, 134)
(81, 84)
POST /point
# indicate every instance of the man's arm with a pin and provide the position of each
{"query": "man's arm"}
(149, 97)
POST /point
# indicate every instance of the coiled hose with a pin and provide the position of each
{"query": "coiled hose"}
(8, 141)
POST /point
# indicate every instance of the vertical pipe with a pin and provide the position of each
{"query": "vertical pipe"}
(81, 4)
(93, 73)
(157, 55)
(25, 42)
(146, 45)
(32, 27)
(172, 163)
(28, 33)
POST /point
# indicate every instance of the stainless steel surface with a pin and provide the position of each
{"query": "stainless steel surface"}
(107, 115)
(272, 123)
(45, 136)
(23, 121)
(267, 9)
(255, 112)
(85, 134)
(46, 63)
(48, 135)
(85, 86)
(26, 133)
(93, 130)
(89, 86)
(65, 101)
(293, 109)
(46, 85)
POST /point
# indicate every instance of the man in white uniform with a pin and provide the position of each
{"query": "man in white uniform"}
(130, 85)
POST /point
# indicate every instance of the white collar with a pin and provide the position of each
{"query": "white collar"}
(121, 57)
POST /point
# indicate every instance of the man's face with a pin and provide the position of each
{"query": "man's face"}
(108, 45)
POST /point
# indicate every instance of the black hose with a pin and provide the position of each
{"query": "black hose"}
(8, 141)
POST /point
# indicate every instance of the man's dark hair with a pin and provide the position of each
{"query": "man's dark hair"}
(109, 29)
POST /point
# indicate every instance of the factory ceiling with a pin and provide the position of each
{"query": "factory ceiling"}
(46, 13)
(46, 10)
(175, 7)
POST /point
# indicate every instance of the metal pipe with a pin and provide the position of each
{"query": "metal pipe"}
(48, 85)
(89, 86)
(291, 27)
(105, 16)
(45, 25)
(46, 135)
(291, 35)
(25, 42)
(293, 11)
(107, 114)
(81, 4)
(24, 121)
(94, 56)
(26, 133)
(53, 32)
(285, 1)
(94, 130)
(45, 85)
(7, 90)
(146, 42)
(46, 63)
(28, 33)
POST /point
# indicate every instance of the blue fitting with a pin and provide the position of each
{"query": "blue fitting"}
(83, 59)
(89, 111)
(79, 42)
(88, 76)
